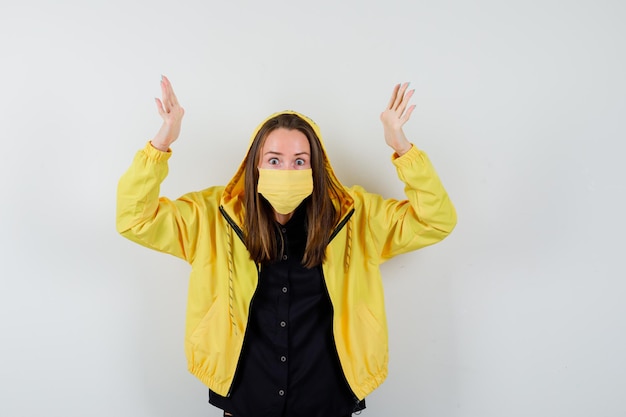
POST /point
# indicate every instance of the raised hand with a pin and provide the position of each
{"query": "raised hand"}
(172, 114)
(395, 116)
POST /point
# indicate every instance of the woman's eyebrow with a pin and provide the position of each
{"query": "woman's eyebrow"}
(279, 153)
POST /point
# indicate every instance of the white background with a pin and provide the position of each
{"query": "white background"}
(521, 106)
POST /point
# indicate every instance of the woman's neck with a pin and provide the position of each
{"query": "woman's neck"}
(282, 218)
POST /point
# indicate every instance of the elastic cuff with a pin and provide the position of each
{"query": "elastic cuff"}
(411, 155)
(156, 155)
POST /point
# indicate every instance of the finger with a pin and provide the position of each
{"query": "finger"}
(159, 106)
(166, 91)
(405, 118)
(394, 94)
(400, 96)
(405, 101)
(172, 96)
(165, 96)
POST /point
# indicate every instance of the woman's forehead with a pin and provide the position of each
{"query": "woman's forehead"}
(286, 142)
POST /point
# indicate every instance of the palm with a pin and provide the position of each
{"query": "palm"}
(395, 116)
(172, 114)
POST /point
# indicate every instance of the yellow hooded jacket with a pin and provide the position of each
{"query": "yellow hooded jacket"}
(205, 229)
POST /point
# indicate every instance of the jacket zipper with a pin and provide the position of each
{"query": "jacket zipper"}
(332, 236)
(239, 233)
(336, 354)
(232, 223)
(243, 346)
(340, 225)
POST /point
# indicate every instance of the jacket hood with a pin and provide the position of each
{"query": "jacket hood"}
(233, 197)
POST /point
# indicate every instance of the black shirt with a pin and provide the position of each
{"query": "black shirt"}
(289, 364)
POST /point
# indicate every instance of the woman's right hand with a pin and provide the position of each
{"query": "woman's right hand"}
(172, 115)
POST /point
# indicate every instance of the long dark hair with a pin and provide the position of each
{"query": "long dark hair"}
(321, 215)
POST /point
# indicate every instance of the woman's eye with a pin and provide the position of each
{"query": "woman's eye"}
(273, 161)
(299, 162)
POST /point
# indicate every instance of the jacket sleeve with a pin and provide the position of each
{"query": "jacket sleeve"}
(157, 223)
(426, 217)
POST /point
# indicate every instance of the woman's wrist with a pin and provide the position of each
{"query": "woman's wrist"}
(401, 150)
(397, 141)
(160, 147)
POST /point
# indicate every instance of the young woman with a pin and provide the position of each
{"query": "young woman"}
(285, 314)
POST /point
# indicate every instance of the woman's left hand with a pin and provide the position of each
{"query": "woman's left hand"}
(395, 116)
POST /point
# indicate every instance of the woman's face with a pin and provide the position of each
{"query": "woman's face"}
(285, 149)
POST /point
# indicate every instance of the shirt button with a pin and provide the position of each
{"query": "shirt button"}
(283, 324)
(285, 290)
(283, 359)
(284, 257)
(283, 230)
(281, 392)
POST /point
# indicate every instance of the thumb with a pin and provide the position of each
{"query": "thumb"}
(159, 106)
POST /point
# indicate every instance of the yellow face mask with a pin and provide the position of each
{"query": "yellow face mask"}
(285, 188)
